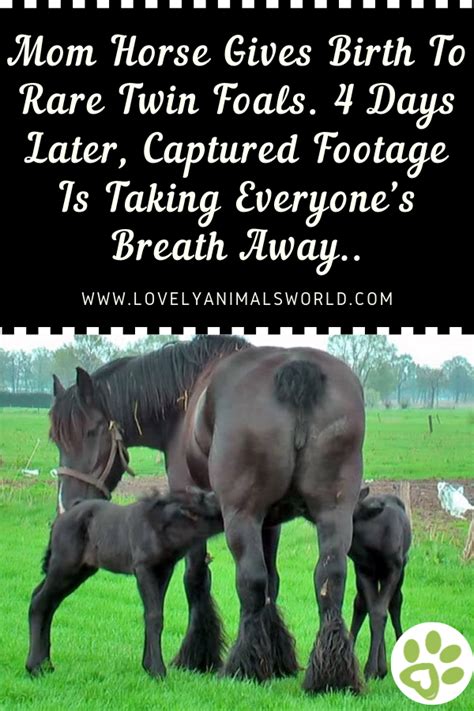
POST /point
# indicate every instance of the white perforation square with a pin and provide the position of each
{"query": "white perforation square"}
(441, 4)
(30, 4)
(368, 4)
(393, 4)
(417, 4)
(320, 4)
(151, 4)
(78, 4)
(465, 4)
(223, 4)
(54, 4)
(344, 4)
(189, 331)
(296, 4)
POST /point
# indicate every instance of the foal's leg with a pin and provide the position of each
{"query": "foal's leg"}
(332, 664)
(395, 608)
(378, 602)
(152, 585)
(360, 611)
(264, 648)
(45, 600)
(204, 644)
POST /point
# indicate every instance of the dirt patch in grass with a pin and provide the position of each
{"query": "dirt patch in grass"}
(423, 495)
(425, 505)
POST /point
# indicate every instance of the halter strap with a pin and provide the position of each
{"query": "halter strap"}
(97, 478)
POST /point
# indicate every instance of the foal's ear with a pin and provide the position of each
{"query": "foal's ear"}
(187, 513)
(58, 387)
(363, 494)
(173, 511)
(84, 385)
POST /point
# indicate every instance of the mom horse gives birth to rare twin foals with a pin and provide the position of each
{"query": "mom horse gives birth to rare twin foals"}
(273, 433)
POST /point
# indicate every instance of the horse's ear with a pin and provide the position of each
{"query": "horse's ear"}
(186, 512)
(58, 387)
(84, 385)
(363, 494)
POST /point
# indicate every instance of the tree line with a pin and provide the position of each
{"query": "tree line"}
(387, 376)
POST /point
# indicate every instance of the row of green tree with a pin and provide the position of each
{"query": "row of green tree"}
(390, 376)
(386, 374)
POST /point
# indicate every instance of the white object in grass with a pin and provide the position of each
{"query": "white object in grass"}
(453, 500)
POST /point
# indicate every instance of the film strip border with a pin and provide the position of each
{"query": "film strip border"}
(236, 330)
(236, 4)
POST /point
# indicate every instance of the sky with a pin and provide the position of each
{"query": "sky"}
(431, 350)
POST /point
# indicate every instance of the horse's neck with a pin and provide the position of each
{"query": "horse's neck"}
(156, 434)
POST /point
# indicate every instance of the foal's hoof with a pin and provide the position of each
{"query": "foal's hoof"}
(44, 667)
(156, 673)
(375, 674)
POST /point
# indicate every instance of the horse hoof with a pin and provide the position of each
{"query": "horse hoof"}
(44, 667)
(372, 674)
(156, 673)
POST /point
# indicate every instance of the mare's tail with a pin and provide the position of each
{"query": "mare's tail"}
(300, 383)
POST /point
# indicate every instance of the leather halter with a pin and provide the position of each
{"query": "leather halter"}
(96, 478)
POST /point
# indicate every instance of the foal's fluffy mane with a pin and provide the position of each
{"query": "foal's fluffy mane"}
(140, 389)
(156, 498)
(160, 498)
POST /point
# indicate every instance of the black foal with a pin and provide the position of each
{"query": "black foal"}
(380, 543)
(145, 539)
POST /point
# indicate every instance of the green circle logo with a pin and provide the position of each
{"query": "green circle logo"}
(432, 663)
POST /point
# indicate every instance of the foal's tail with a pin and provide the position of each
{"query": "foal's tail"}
(301, 384)
(47, 555)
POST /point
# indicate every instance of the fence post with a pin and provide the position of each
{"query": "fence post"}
(405, 497)
(430, 423)
(468, 552)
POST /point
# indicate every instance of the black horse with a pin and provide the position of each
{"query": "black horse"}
(274, 433)
(145, 539)
(379, 550)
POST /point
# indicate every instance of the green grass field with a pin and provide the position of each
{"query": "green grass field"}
(97, 634)
(398, 445)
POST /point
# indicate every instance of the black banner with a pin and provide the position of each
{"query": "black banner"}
(297, 166)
